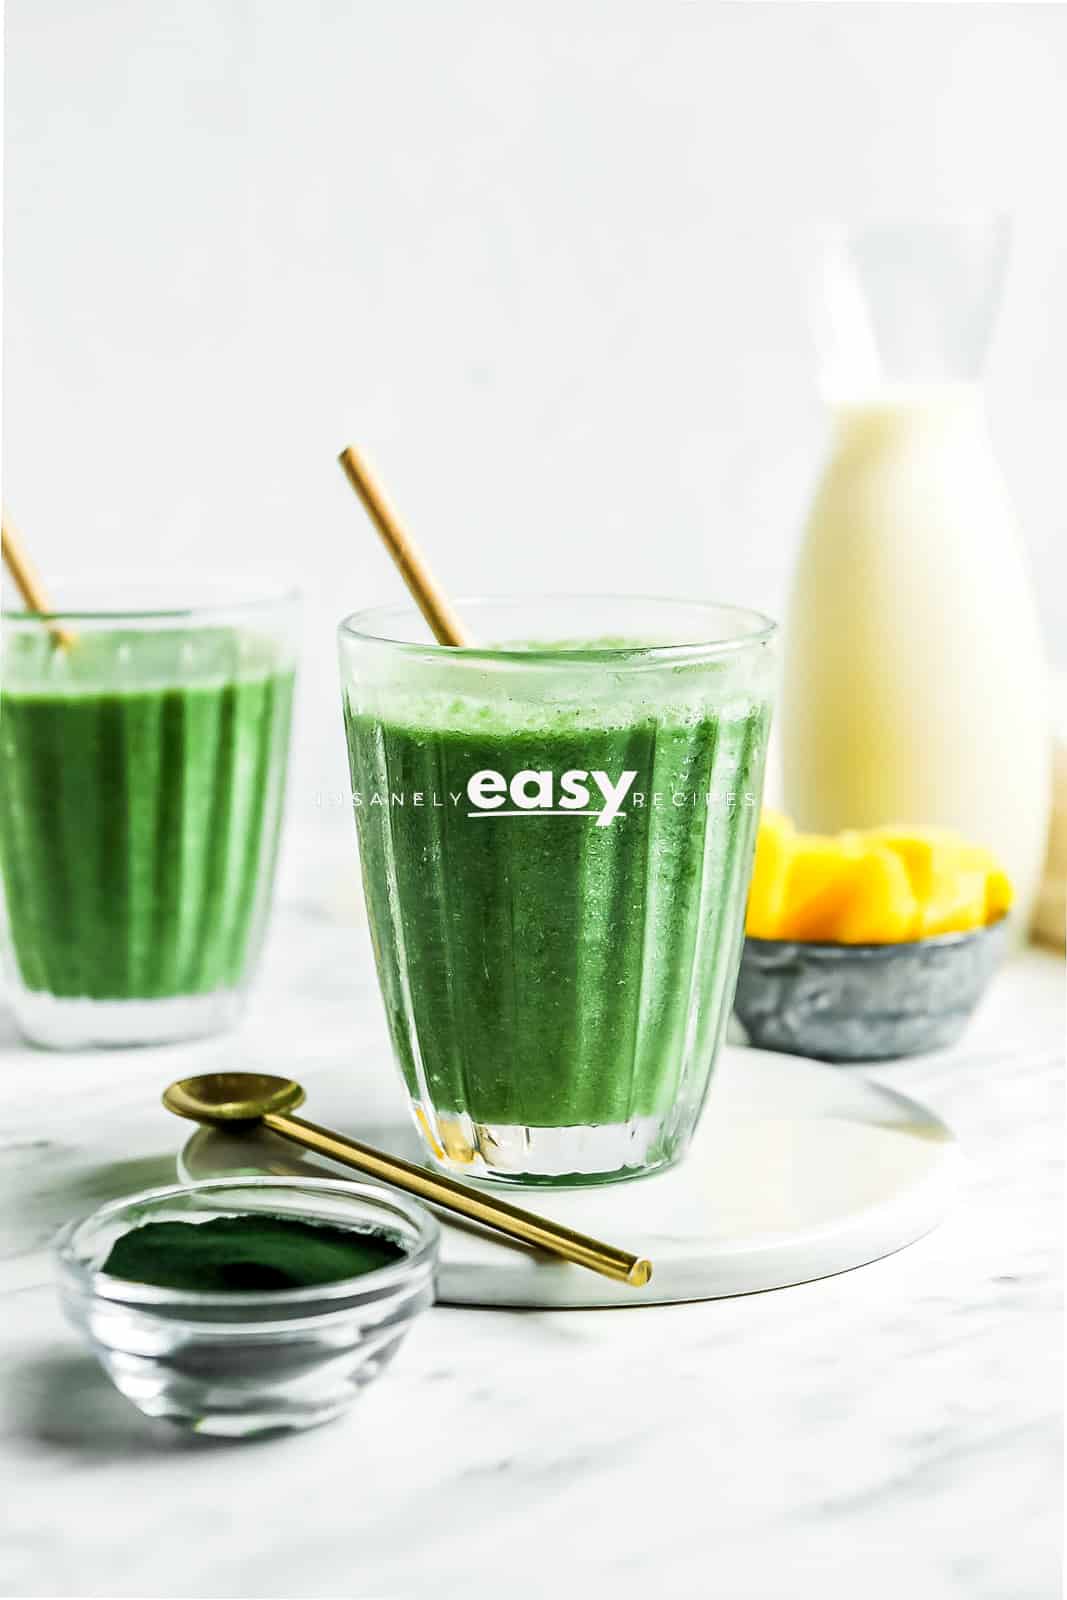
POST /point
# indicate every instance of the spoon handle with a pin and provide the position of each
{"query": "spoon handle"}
(458, 1197)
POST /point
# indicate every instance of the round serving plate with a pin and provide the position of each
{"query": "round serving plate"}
(797, 1171)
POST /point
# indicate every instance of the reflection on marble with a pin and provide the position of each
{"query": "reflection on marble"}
(885, 1431)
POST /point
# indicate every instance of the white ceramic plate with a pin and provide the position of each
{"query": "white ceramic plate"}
(798, 1171)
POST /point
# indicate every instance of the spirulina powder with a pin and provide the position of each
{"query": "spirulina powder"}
(249, 1253)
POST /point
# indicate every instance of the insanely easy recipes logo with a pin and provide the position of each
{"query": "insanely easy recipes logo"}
(540, 793)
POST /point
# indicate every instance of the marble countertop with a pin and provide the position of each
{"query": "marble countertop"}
(892, 1430)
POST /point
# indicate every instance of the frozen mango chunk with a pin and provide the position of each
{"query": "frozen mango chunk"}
(766, 896)
(999, 890)
(999, 894)
(880, 907)
(927, 853)
(957, 885)
(956, 903)
(820, 882)
(882, 886)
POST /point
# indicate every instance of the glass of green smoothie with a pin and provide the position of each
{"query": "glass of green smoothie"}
(556, 834)
(142, 774)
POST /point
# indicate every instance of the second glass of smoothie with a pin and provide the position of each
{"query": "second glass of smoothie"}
(556, 833)
(142, 774)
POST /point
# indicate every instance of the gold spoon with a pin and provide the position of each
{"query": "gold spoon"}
(247, 1097)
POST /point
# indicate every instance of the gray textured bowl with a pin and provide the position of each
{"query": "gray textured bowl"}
(864, 1002)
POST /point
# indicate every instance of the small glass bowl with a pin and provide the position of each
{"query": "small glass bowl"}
(237, 1364)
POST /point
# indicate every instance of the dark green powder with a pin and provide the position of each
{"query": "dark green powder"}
(249, 1253)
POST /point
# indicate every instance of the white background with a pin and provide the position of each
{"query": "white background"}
(545, 260)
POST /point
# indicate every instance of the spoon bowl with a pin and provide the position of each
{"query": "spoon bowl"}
(218, 1097)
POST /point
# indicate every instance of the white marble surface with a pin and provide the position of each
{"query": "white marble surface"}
(890, 1430)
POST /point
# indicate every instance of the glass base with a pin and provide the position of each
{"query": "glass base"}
(247, 1410)
(60, 1024)
(555, 1157)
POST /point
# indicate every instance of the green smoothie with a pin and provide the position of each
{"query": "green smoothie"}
(543, 968)
(141, 779)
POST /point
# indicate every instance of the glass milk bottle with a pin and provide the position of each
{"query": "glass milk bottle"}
(914, 685)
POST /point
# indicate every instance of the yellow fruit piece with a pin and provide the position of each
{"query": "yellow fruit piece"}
(821, 881)
(929, 854)
(957, 885)
(879, 887)
(956, 903)
(880, 907)
(999, 894)
(766, 895)
(999, 891)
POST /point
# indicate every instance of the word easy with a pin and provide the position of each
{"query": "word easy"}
(528, 790)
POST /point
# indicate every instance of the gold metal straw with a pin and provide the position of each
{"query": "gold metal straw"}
(220, 1098)
(28, 581)
(425, 590)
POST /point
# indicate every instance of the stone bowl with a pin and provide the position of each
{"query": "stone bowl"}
(864, 1002)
